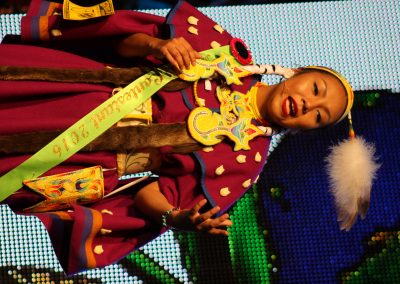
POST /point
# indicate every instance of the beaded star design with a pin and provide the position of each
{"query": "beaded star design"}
(237, 111)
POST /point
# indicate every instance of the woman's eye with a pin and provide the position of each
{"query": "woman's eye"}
(315, 89)
(318, 116)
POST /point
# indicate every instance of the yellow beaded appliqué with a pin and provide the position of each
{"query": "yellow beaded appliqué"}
(234, 121)
(224, 65)
(61, 190)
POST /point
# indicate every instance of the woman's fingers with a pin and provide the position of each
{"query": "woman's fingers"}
(207, 215)
(187, 61)
(191, 54)
(218, 228)
(215, 231)
(195, 210)
(217, 223)
(192, 220)
(225, 223)
(179, 53)
(173, 59)
(222, 221)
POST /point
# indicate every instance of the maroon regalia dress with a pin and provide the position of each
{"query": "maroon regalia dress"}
(95, 235)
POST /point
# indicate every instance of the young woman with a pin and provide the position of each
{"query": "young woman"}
(192, 190)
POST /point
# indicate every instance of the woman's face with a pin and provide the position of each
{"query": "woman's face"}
(306, 101)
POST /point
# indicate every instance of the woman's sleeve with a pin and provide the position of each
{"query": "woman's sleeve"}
(221, 176)
(44, 22)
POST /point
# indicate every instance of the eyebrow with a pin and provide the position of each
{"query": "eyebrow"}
(325, 86)
(326, 109)
(329, 116)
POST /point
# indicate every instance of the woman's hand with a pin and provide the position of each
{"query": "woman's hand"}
(151, 202)
(192, 220)
(177, 51)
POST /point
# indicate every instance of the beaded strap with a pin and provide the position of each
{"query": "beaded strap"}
(270, 69)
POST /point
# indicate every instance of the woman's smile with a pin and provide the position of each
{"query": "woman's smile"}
(289, 107)
(293, 107)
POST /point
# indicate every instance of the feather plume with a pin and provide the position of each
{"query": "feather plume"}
(352, 168)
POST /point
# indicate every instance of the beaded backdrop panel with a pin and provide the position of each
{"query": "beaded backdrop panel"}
(285, 228)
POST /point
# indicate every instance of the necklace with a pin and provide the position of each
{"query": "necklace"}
(253, 104)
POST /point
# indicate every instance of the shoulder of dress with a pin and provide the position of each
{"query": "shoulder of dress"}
(226, 174)
(200, 31)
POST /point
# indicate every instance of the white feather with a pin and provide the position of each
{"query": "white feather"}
(352, 168)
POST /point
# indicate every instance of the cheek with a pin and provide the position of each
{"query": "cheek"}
(298, 86)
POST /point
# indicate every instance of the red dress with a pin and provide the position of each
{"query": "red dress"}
(102, 233)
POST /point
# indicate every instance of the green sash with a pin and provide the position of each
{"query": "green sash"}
(89, 127)
(84, 131)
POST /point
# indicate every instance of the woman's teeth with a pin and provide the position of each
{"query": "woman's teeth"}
(292, 107)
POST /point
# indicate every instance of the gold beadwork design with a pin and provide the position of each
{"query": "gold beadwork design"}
(215, 44)
(235, 120)
(193, 30)
(105, 211)
(105, 231)
(253, 105)
(219, 171)
(241, 159)
(224, 191)
(192, 20)
(246, 183)
(56, 33)
(98, 249)
(225, 65)
(199, 101)
(207, 85)
(219, 29)
(61, 190)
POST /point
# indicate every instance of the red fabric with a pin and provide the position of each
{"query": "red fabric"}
(121, 23)
(184, 179)
(178, 23)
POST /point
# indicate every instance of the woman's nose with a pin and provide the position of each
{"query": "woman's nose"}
(310, 104)
(304, 106)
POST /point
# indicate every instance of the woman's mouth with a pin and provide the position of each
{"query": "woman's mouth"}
(289, 107)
